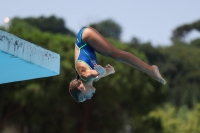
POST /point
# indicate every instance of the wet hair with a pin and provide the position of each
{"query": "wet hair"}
(73, 87)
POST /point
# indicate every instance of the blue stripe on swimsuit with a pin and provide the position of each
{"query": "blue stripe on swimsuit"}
(86, 52)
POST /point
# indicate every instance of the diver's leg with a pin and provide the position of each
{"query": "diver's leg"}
(102, 46)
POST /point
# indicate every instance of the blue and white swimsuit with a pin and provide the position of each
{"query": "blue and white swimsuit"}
(86, 52)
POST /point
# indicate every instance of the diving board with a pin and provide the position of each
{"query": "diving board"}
(21, 60)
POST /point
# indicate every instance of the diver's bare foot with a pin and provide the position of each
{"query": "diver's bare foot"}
(156, 74)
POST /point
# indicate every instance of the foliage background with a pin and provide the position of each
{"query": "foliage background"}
(127, 102)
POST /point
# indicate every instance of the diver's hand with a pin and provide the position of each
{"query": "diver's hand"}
(110, 69)
(100, 70)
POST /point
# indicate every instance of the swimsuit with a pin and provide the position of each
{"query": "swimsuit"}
(86, 52)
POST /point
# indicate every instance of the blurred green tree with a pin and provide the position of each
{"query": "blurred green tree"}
(177, 120)
(50, 24)
(182, 31)
(134, 41)
(182, 69)
(108, 28)
(195, 42)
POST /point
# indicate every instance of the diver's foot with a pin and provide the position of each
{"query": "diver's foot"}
(156, 74)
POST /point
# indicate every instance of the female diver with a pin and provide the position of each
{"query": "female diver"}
(88, 71)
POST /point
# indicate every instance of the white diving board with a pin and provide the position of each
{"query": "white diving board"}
(21, 60)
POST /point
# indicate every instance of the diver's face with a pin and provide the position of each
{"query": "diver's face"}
(86, 92)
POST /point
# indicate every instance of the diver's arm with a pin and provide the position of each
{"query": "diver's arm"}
(88, 74)
(108, 70)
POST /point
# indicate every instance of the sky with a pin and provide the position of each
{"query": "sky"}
(148, 20)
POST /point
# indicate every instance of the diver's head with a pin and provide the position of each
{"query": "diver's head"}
(80, 91)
